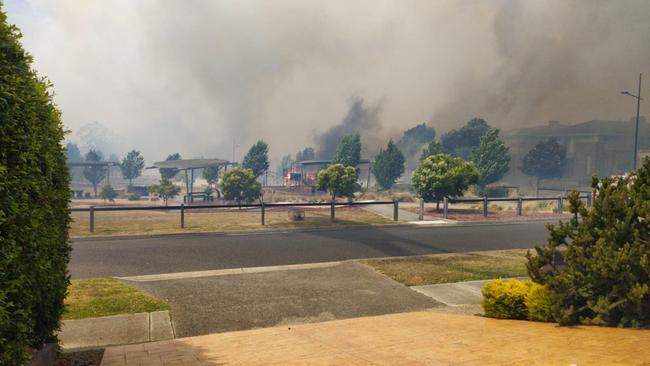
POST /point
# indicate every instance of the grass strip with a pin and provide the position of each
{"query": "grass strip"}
(94, 297)
(454, 267)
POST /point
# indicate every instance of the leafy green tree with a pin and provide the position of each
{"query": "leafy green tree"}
(257, 158)
(415, 138)
(306, 154)
(463, 141)
(338, 180)
(388, 165)
(169, 173)
(440, 176)
(348, 152)
(34, 212)
(108, 193)
(491, 158)
(241, 185)
(596, 265)
(166, 189)
(94, 173)
(546, 160)
(433, 148)
(211, 175)
(132, 166)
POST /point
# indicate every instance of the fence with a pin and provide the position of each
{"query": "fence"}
(486, 201)
(262, 206)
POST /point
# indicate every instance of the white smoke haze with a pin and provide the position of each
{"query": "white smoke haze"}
(191, 76)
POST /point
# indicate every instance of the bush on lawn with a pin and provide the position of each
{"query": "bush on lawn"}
(505, 299)
(34, 214)
(597, 265)
(538, 303)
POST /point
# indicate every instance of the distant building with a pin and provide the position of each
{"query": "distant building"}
(597, 147)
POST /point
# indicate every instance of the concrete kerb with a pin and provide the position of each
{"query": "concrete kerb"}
(224, 272)
(116, 330)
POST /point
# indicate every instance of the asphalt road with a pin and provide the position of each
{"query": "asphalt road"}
(196, 252)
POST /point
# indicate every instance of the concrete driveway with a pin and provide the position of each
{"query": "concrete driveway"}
(221, 303)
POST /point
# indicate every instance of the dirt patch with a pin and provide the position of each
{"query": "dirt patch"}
(471, 215)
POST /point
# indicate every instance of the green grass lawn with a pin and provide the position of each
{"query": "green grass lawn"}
(107, 296)
(456, 267)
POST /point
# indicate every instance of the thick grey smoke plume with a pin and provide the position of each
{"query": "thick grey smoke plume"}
(359, 119)
(192, 76)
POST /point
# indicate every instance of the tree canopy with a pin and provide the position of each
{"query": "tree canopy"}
(441, 175)
(306, 154)
(463, 141)
(108, 193)
(241, 185)
(169, 173)
(132, 166)
(388, 165)
(491, 158)
(415, 138)
(604, 250)
(348, 152)
(165, 189)
(211, 174)
(94, 173)
(338, 180)
(545, 160)
(257, 158)
(433, 148)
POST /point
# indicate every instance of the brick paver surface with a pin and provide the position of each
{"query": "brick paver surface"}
(418, 338)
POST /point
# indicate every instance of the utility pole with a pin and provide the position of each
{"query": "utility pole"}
(636, 127)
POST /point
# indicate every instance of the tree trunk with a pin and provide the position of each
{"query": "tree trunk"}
(537, 187)
(437, 205)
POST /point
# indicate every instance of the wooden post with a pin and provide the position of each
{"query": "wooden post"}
(92, 219)
(445, 207)
(559, 205)
(520, 205)
(421, 216)
(485, 206)
(263, 213)
(182, 215)
(332, 214)
(395, 210)
(589, 200)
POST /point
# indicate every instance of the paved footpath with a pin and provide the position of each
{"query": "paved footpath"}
(417, 338)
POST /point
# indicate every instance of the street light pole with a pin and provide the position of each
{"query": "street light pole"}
(636, 128)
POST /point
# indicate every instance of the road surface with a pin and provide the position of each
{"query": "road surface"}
(197, 252)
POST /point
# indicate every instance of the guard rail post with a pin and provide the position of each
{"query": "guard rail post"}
(559, 205)
(421, 215)
(520, 205)
(395, 210)
(485, 206)
(263, 212)
(92, 219)
(445, 207)
(182, 216)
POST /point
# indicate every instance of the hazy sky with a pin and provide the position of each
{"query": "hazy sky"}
(190, 76)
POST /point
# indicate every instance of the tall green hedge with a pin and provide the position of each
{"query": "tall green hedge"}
(34, 214)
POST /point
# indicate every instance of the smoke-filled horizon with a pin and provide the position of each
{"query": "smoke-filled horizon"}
(194, 76)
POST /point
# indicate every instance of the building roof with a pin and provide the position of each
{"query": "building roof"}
(327, 162)
(589, 128)
(184, 164)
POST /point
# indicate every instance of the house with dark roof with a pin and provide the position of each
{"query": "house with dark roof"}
(596, 147)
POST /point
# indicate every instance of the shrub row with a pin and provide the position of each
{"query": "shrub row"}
(34, 214)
